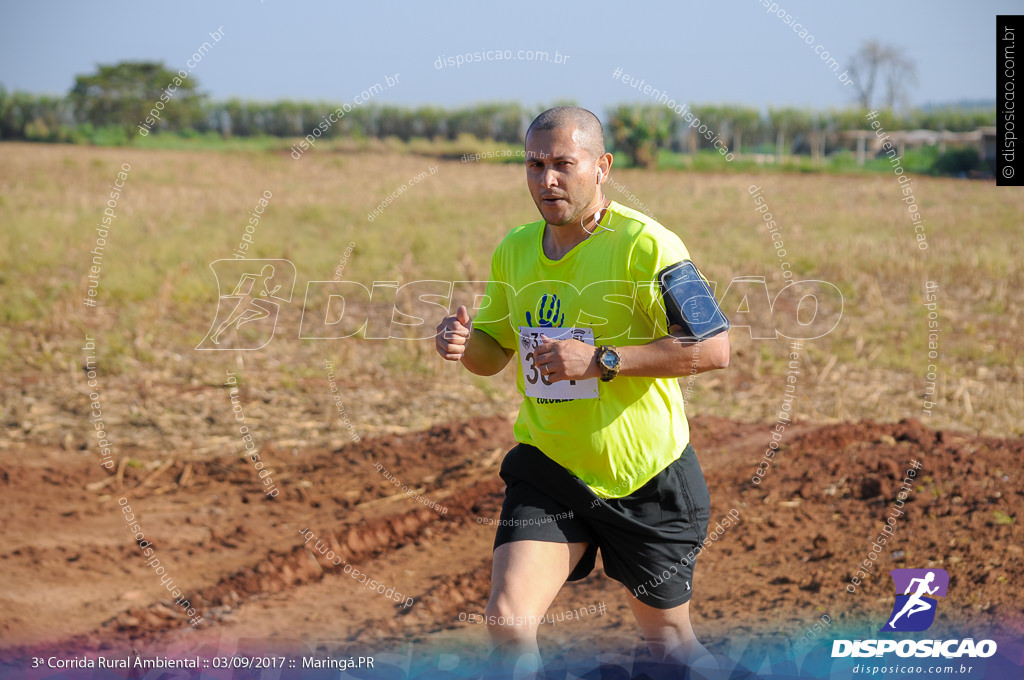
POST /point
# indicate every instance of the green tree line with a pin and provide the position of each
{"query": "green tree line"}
(134, 99)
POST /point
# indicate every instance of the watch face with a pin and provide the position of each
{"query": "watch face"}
(608, 360)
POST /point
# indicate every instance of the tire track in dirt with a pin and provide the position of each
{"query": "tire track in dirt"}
(275, 572)
(376, 519)
(802, 531)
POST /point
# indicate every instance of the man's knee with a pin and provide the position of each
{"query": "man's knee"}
(506, 620)
(501, 606)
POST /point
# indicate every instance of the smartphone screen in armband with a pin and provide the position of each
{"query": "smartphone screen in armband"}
(689, 301)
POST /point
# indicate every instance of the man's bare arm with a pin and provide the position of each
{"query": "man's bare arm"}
(457, 340)
(484, 356)
(665, 357)
(668, 358)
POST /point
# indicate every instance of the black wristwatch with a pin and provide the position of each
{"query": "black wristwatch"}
(608, 360)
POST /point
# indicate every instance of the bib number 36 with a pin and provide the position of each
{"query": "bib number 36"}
(537, 384)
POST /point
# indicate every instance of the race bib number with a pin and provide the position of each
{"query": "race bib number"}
(536, 383)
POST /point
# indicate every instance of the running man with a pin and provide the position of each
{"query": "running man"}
(601, 428)
(914, 603)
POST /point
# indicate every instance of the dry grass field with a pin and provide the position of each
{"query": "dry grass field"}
(181, 210)
(76, 579)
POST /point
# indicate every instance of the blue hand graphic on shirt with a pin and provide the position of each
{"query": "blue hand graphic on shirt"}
(549, 315)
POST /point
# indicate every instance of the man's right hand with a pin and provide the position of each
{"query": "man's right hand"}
(453, 334)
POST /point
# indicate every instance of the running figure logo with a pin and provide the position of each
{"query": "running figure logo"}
(915, 607)
(262, 286)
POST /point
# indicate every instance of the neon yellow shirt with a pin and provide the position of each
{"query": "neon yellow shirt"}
(636, 427)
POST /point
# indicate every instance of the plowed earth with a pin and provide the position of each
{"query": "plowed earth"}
(74, 578)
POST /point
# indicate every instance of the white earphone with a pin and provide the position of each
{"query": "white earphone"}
(600, 175)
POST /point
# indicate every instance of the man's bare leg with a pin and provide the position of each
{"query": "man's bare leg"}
(670, 638)
(525, 579)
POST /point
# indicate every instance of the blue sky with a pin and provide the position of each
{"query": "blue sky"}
(730, 51)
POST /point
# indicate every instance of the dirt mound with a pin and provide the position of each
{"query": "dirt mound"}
(410, 511)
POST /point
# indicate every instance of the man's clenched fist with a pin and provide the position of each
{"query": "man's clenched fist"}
(453, 333)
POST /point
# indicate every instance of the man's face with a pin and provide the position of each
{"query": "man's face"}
(561, 175)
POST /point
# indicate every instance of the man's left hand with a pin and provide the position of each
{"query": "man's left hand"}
(566, 360)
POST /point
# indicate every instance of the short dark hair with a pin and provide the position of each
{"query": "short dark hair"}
(589, 126)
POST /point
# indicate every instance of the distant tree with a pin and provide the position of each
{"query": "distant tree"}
(875, 64)
(285, 120)
(238, 119)
(951, 118)
(639, 131)
(788, 122)
(393, 121)
(865, 66)
(34, 117)
(428, 122)
(900, 75)
(503, 122)
(137, 96)
(511, 121)
(742, 121)
(13, 114)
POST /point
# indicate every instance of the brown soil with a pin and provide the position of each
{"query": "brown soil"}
(74, 579)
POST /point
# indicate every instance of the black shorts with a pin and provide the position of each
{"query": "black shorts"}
(649, 539)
